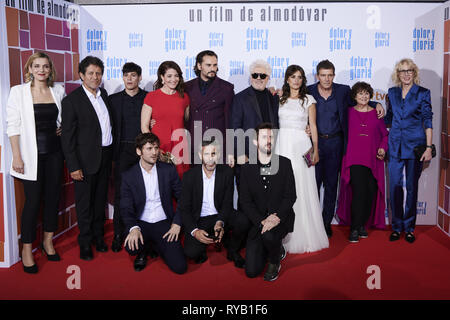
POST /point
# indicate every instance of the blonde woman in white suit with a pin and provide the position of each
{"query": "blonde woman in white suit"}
(33, 128)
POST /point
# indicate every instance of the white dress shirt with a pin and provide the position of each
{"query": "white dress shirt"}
(153, 210)
(102, 114)
(208, 208)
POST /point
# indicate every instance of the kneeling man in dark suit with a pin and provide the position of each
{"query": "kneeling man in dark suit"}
(147, 209)
(206, 202)
(267, 195)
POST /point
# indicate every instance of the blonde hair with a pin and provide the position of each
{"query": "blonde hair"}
(395, 75)
(29, 77)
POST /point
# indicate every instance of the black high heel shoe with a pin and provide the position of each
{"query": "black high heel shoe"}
(32, 269)
(50, 257)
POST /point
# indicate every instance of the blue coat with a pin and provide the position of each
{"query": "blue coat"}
(133, 195)
(408, 118)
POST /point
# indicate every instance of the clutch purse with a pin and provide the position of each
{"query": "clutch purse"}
(166, 157)
(308, 156)
(419, 150)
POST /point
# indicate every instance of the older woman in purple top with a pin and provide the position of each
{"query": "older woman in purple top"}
(361, 199)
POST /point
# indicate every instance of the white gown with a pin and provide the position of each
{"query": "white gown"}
(292, 142)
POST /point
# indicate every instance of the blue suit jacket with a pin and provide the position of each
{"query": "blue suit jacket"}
(408, 118)
(133, 196)
(245, 112)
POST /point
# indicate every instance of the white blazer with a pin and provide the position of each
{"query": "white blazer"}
(20, 121)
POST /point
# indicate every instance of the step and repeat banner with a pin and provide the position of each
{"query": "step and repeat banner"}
(363, 40)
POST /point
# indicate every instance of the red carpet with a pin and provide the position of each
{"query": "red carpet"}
(407, 271)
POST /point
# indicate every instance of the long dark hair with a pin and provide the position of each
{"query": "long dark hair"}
(163, 67)
(287, 89)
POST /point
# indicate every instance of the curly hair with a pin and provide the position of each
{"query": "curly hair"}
(411, 65)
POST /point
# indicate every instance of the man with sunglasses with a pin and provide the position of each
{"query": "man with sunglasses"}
(251, 107)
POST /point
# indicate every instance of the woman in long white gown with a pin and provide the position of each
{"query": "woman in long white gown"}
(297, 109)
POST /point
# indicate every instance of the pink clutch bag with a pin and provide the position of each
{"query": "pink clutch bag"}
(308, 156)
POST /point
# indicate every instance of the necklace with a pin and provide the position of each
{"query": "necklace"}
(362, 116)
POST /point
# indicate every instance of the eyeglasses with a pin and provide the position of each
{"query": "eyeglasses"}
(260, 75)
(409, 71)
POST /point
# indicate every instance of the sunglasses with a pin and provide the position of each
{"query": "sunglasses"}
(260, 75)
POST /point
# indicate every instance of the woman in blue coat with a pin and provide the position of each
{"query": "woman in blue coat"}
(410, 116)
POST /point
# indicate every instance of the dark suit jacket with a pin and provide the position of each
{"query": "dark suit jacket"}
(191, 201)
(81, 136)
(257, 204)
(116, 101)
(213, 109)
(245, 112)
(133, 196)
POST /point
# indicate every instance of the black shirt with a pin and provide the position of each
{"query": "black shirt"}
(45, 115)
(131, 115)
(263, 103)
(204, 85)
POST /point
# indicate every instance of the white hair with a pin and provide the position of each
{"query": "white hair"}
(261, 63)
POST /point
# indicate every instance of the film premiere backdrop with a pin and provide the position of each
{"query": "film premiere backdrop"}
(363, 40)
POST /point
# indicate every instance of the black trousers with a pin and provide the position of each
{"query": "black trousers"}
(238, 224)
(46, 187)
(127, 159)
(170, 252)
(194, 248)
(262, 248)
(364, 190)
(90, 201)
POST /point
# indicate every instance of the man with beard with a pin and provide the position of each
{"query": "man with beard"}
(211, 99)
(147, 209)
(206, 201)
(267, 195)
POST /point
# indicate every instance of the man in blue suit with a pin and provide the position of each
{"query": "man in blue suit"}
(147, 210)
(333, 100)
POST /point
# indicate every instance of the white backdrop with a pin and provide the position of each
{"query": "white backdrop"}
(363, 40)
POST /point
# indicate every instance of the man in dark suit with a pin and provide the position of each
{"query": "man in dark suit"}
(267, 195)
(206, 202)
(211, 99)
(251, 107)
(147, 210)
(333, 100)
(87, 144)
(126, 108)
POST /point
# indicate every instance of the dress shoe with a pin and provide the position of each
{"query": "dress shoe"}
(272, 272)
(140, 262)
(354, 236)
(410, 237)
(283, 253)
(32, 269)
(234, 256)
(101, 246)
(86, 253)
(116, 245)
(394, 236)
(328, 230)
(362, 232)
(50, 257)
(202, 258)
